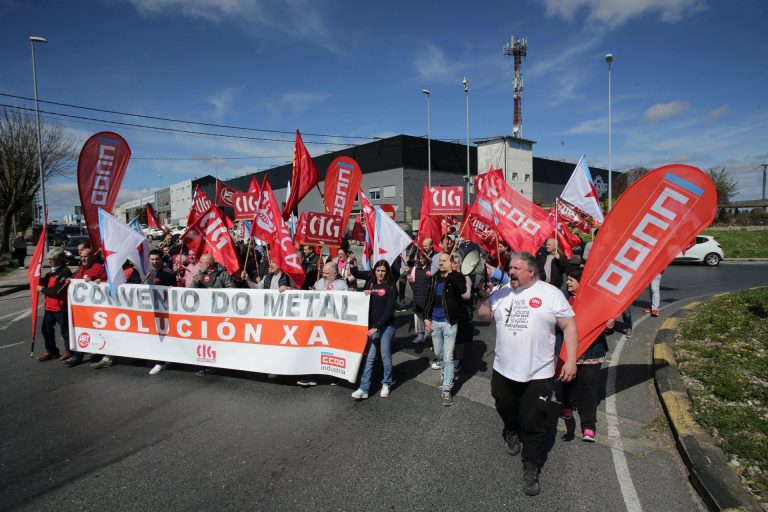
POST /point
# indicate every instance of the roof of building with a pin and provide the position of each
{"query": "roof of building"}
(400, 151)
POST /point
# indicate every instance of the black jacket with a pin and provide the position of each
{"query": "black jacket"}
(382, 309)
(420, 287)
(451, 301)
(217, 278)
(309, 264)
(161, 277)
(283, 280)
(557, 269)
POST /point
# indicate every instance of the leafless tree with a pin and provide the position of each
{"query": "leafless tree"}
(19, 171)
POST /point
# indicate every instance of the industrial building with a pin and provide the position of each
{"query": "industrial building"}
(394, 171)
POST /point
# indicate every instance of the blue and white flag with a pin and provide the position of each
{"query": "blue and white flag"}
(389, 238)
(119, 243)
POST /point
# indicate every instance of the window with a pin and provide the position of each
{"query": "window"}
(514, 176)
(527, 178)
(390, 191)
(374, 193)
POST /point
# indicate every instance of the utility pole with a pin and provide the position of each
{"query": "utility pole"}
(765, 166)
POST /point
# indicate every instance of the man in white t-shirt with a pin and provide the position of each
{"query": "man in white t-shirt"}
(526, 311)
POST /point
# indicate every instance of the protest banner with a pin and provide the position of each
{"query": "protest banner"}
(446, 200)
(323, 229)
(289, 333)
(246, 204)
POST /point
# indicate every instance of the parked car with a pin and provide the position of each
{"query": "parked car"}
(705, 250)
(70, 248)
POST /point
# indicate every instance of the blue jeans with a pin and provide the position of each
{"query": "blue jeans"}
(444, 341)
(382, 340)
(626, 317)
(654, 289)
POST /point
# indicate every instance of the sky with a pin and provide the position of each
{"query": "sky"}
(688, 79)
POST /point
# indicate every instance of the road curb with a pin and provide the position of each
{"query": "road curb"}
(709, 473)
(12, 289)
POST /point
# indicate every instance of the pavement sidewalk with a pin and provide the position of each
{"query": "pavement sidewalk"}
(16, 280)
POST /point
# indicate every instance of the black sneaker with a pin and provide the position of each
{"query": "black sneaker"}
(531, 485)
(513, 443)
(400, 307)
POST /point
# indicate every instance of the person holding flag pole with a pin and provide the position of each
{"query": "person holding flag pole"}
(54, 288)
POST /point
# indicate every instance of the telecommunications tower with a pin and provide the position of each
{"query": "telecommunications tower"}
(517, 48)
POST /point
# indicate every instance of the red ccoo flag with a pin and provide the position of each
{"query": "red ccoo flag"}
(100, 171)
(647, 227)
(303, 176)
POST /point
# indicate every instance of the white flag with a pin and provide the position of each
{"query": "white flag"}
(580, 191)
(389, 240)
(119, 243)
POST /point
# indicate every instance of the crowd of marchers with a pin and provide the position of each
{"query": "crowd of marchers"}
(527, 297)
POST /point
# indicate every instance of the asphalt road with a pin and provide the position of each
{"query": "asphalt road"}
(119, 439)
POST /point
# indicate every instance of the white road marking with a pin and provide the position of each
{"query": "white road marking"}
(628, 491)
(12, 344)
(9, 315)
(23, 315)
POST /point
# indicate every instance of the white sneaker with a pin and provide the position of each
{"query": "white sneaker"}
(418, 339)
(384, 391)
(306, 383)
(435, 365)
(157, 369)
(360, 394)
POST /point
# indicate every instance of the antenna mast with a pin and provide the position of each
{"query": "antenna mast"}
(517, 48)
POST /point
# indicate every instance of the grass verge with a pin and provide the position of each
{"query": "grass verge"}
(741, 244)
(722, 352)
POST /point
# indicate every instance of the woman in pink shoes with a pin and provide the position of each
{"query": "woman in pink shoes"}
(584, 388)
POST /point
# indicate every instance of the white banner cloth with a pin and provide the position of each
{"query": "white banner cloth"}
(290, 333)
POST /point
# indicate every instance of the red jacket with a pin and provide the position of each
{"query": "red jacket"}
(95, 271)
(55, 288)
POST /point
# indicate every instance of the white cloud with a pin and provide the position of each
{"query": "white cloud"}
(598, 125)
(222, 102)
(294, 102)
(661, 111)
(432, 65)
(615, 13)
(718, 112)
(301, 19)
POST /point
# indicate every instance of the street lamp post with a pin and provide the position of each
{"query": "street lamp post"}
(32, 41)
(429, 140)
(465, 82)
(609, 59)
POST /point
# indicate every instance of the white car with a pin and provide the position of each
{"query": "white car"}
(706, 250)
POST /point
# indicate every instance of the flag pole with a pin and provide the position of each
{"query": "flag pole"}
(498, 249)
(557, 221)
(455, 245)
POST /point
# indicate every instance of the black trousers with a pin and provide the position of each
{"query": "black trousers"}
(583, 391)
(50, 319)
(523, 409)
(19, 255)
(401, 286)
